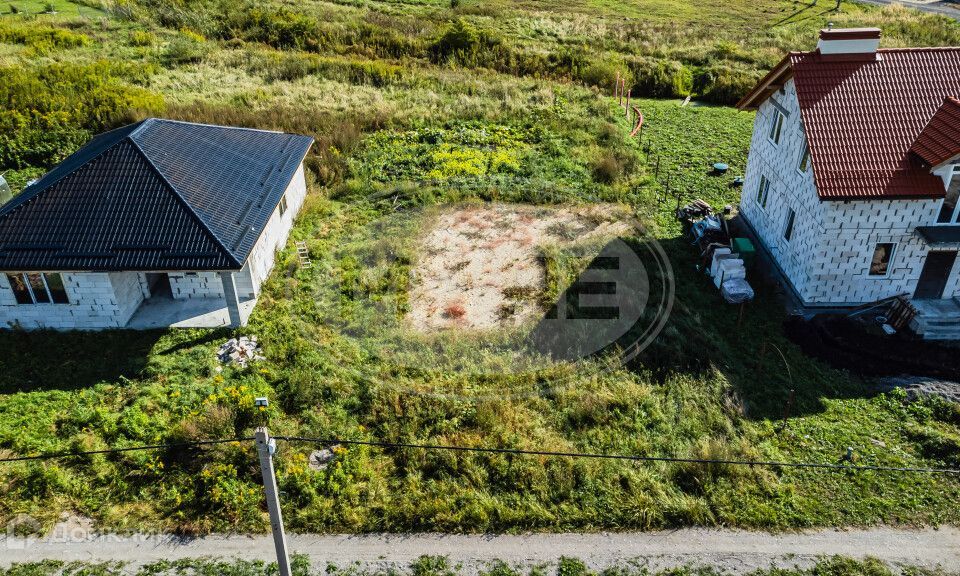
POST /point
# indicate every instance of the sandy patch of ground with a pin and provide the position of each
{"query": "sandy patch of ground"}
(480, 266)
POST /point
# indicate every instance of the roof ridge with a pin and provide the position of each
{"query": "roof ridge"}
(244, 128)
(193, 213)
(26, 195)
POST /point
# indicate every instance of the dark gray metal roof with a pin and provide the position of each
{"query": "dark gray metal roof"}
(156, 195)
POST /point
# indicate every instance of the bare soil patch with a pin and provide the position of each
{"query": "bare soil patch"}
(481, 267)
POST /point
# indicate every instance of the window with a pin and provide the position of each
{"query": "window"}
(777, 127)
(20, 290)
(804, 160)
(948, 210)
(58, 293)
(38, 288)
(788, 231)
(283, 204)
(882, 255)
(763, 192)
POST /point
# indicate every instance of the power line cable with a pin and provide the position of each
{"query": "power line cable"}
(71, 454)
(508, 451)
(519, 452)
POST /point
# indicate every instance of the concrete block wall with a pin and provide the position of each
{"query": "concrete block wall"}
(841, 265)
(184, 285)
(6, 295)
(93, 305)
(129, 296)
(263, 256)
(789, 189)
(828, 257)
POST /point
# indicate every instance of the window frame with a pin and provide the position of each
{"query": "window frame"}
(954, 218)
(776, 129)
(893, 254)
(791, 222)
(804, 164)
(31, 281)
(763, 193)
(283, 205)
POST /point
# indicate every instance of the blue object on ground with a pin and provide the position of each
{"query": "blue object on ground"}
(720, 167)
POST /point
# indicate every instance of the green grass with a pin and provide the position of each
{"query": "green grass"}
(513, 106)
(441, 566)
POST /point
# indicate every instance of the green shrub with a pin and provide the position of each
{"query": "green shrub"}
(141, 38)
(601, 74)
(466, 45)
(659, 78)
(184, 49)
(280, 28)
(722, 84)
(48, 111)
(43, 38)
(607, 168)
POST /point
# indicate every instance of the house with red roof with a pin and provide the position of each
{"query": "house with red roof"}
(853, 176)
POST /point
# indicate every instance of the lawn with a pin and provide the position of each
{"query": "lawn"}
(441, 566)
(416, 107)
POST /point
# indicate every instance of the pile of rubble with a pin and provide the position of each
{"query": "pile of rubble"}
(919, 386)
(240, 351)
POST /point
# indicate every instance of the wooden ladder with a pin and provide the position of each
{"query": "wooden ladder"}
(303, 253)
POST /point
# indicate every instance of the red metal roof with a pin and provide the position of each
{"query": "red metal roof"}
(940, 140)
(862, 118)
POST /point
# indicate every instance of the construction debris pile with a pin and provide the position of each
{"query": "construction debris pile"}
(723, 258)
(240, 351)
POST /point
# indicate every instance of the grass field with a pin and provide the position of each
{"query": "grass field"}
(441, 566)
(416, 105)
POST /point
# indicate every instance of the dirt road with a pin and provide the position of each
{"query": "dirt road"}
(732, 550)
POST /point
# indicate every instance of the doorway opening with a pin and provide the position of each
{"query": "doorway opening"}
(935, 273)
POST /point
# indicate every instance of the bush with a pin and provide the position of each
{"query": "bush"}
(724, 84)
(43, 38)
(46, 112)
(607, 168)
(141, 38)
(660, 78)
(465, 45)
(279, 28)
(602, 74)
(184, 50)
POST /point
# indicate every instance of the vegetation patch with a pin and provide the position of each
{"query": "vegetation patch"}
(482, 267)
(411, 112)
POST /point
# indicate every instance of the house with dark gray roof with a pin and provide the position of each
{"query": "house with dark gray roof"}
(159, 223)
(852, 184)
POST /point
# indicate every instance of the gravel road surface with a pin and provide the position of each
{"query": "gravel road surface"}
(732, 550)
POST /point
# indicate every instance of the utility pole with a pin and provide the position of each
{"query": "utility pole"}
(265, 448)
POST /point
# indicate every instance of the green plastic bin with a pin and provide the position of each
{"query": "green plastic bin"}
(744, 247)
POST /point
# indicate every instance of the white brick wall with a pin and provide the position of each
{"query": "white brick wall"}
(93, 303)
(129, 296)
(828, 258)
(840, 268)
(789, 188)
(263, 256)
(108, 300)
(195, 285)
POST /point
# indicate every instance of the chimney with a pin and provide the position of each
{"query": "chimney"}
(855, 44)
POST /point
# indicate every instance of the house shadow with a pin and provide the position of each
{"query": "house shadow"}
(61, 360)
(701, 335)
